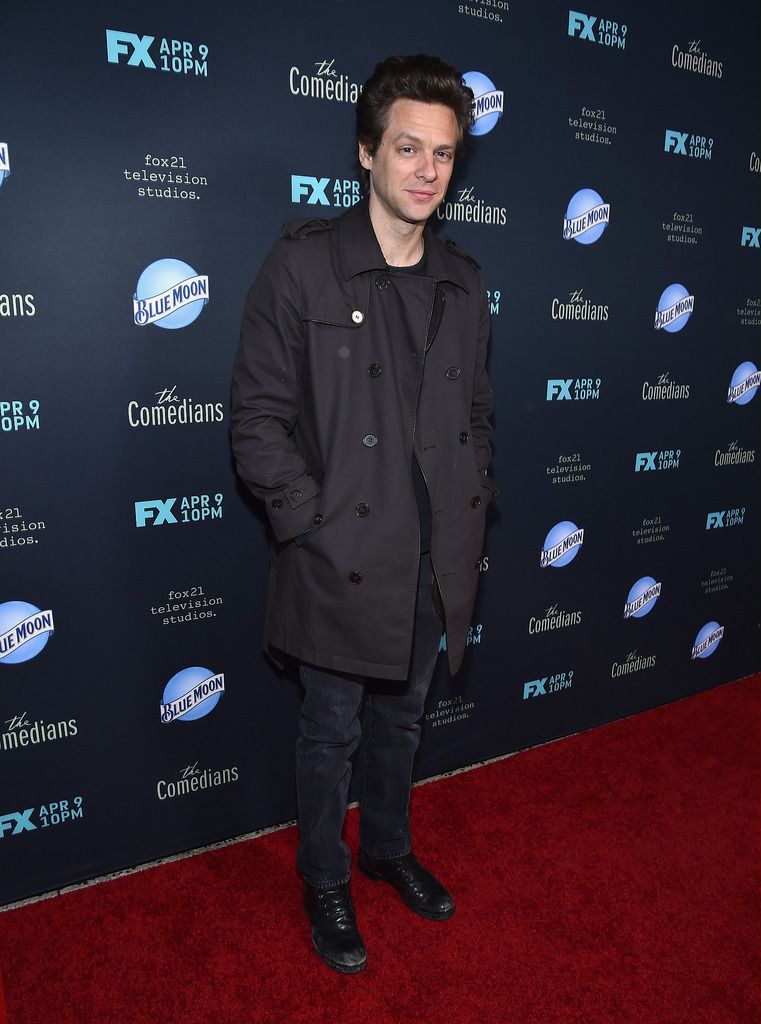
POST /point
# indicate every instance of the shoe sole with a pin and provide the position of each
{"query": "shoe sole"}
(430, 915)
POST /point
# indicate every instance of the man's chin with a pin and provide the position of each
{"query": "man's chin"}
(420, 213)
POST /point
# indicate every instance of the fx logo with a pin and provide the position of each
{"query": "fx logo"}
(714, 520)
(644, 461)
(675, 141)
(160, 511)
(750, 237)
(119, 43)
(20, 820)
(581, 25)
(561, 388)
(535, 688)
(314, 188)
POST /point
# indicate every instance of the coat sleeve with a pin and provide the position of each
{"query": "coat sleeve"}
(265, 398)
(483, 405)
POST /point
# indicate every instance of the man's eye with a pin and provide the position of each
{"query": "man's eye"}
(406, 149)
(444, 154)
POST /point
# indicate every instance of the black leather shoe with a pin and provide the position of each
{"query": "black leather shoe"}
(335, 935)
(418, 888)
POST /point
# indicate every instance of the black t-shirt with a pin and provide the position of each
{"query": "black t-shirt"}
(418, 481)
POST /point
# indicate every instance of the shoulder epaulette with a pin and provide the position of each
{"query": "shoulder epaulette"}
(304, 228)
(454, 248)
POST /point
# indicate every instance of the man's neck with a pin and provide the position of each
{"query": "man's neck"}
(401, 243)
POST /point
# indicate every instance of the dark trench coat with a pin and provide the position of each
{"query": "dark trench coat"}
(342, 368)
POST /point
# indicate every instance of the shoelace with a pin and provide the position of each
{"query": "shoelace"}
(413, 874)
(335, 906)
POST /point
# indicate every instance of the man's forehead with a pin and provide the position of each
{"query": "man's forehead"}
(421, 120)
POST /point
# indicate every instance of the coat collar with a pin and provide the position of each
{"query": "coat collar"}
(361, 252)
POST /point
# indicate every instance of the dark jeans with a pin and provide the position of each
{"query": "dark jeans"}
(339, 713)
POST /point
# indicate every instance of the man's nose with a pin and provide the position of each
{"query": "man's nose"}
(427, 167)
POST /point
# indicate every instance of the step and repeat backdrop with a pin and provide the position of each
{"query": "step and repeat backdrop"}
(149, 154)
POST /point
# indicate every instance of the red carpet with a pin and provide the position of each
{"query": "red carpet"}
(609, 878)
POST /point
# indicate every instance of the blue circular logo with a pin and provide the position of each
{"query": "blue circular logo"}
(586, 217)
(24, 631)
(744, 384)
(191, 693)
(641, 598)
(561, 545)
(488, 102)
(169, 294)
(707, 640)
(675, 308)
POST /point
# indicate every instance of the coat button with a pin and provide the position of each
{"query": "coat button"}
(375, 369)
(358, 316)
(355, 577)
(453, 373)
(362, 509)
(277, 503)
(369, 440)
(464, 437)
(475, 502)
(382, 283)
(317, 518)
(296, 494)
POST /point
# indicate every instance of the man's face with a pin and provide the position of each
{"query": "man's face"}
(411, 168)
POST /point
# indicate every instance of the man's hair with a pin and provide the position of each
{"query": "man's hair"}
(419, 77)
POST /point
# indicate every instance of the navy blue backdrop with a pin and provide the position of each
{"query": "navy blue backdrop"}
(148, 156)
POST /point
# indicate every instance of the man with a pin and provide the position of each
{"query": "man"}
(361, 418)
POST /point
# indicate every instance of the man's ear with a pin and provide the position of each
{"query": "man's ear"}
(365, 159)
